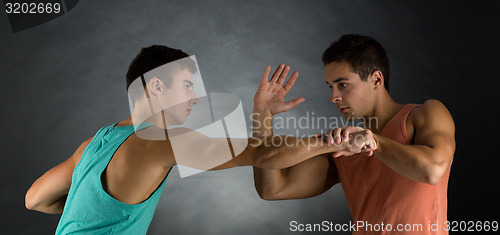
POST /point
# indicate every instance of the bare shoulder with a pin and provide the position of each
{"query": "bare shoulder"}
(432, 105)
(79, 151)
(432, 111)
(87, 142)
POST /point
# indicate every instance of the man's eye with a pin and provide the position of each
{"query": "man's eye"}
(330, 86)
(186, 87)
(342, 85)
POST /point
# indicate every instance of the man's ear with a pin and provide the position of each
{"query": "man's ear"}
(377, 79)
(155, 86)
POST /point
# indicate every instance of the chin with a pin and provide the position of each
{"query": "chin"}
(351, 116)
(181, 121)
(176, 121)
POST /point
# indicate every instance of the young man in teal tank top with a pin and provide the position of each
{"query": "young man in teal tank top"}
(112, 183)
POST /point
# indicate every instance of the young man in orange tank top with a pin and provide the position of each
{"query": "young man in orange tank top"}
(405, 180)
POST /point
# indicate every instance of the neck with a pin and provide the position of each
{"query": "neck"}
(384, 108)
(140, 115)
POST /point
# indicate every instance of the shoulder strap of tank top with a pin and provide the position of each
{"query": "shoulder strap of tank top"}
(404, 115)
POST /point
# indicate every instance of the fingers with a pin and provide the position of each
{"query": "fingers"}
(291, 81)
(345, 134)
(277, 73)
(371, 145)
(283, 75)
(330, 137)
(279, 77)
(353, 129)
(337, 135)
(265, 76)
(368, 142)
(357, 140)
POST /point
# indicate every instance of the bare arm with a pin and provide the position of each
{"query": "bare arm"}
(307, 179)
(48, 193)
(434, 145)
(198, 151)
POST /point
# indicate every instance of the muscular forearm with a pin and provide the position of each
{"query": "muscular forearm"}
(415, 162)
(54, 208)
(45, 199)
(48, 193)
(279, 152)
(267, 182)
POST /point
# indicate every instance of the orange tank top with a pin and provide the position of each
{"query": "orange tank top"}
(381, 200)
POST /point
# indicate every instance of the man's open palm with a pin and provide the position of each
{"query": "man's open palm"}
(270, 95)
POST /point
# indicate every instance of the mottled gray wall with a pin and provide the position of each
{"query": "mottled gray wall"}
(64, 79)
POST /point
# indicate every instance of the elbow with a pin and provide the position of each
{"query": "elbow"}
(30, 201)
(433, 180)
(268, 196)
(33, 201)
(272, 194)
(28, 205)
(434, 174)
(262, 193)
(438, 166)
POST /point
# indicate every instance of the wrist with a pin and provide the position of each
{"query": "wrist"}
(328, 147)
(378, 140)
(262, 111)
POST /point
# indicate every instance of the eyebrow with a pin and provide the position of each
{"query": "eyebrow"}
(189, 82)
(338, 80)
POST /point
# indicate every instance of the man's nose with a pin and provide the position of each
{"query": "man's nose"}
(194, 99)
(335, 96)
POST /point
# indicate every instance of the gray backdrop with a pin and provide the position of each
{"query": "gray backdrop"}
(63, 80)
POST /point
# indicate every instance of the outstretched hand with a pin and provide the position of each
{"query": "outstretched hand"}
(270, 96)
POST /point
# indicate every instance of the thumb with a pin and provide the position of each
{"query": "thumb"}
(292, 103)
(317, 135)
(337, 154)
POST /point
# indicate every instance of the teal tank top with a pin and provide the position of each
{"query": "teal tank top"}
(91, 210)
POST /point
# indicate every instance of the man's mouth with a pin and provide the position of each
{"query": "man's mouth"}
(343, 110)
(188, 110)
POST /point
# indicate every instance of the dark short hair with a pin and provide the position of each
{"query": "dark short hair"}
(362, 53)
(154, 56)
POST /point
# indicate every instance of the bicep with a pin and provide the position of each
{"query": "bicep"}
(309, 178)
